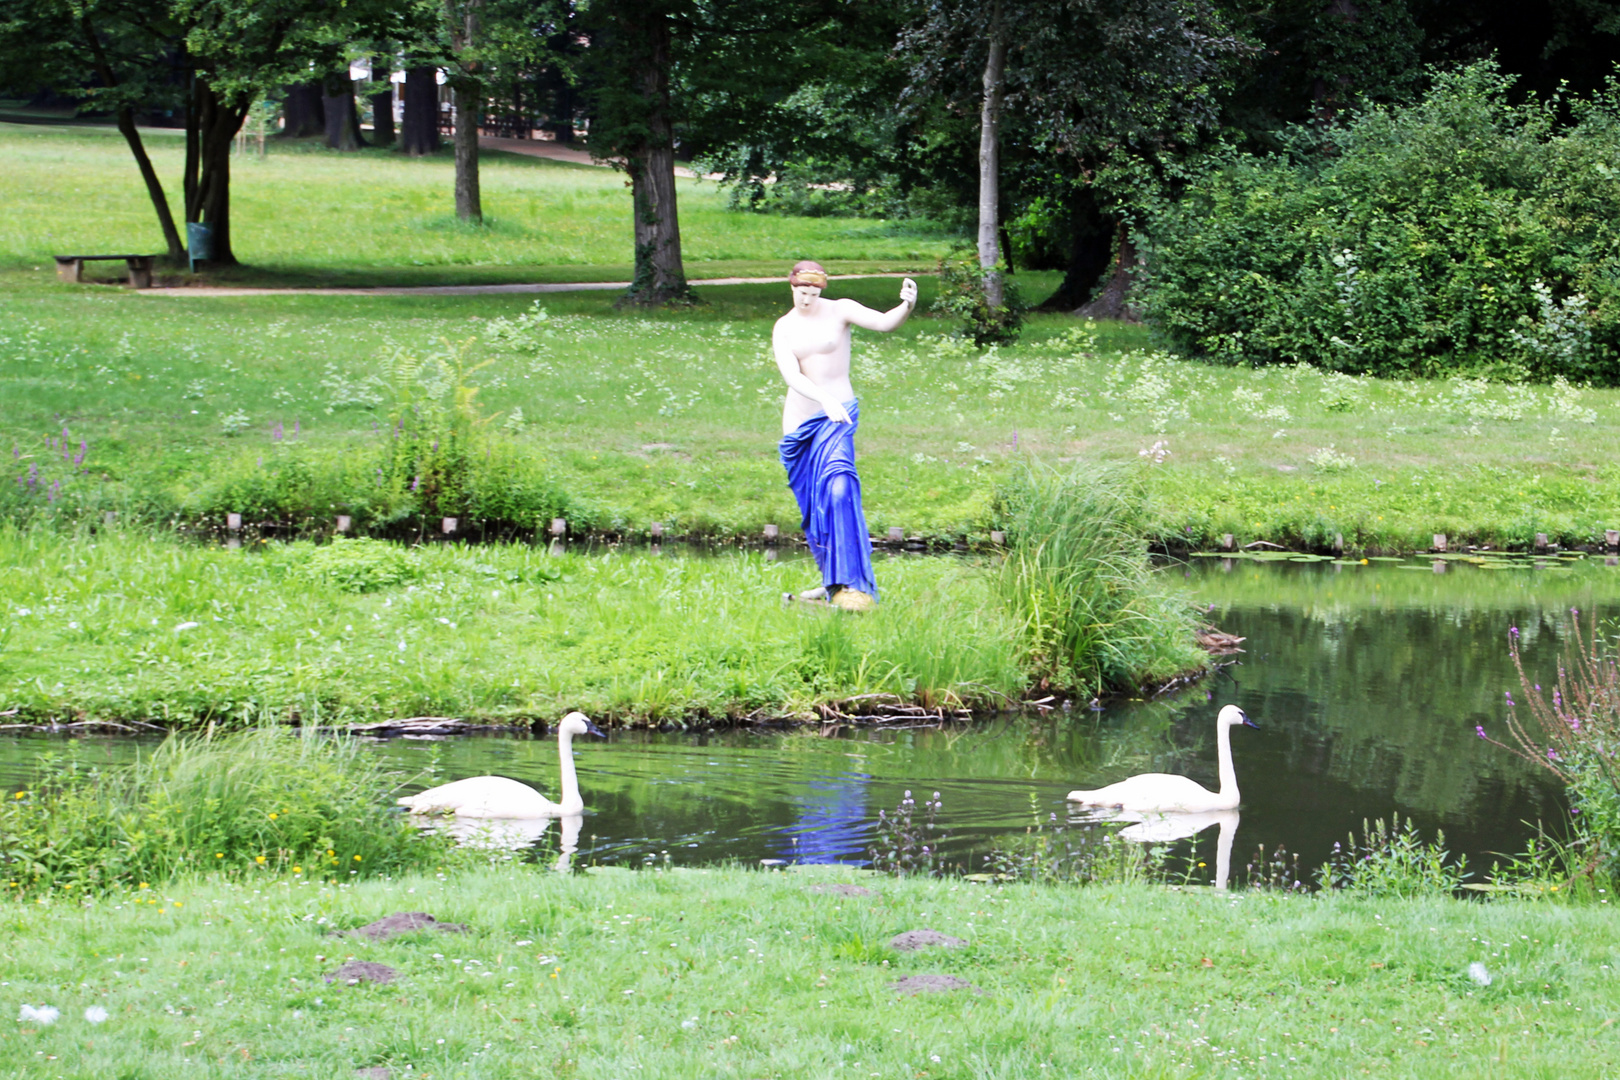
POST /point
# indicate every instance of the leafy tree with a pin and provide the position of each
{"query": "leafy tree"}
(705, 75)
(478, 43)
(1094, 82)
(108, 55)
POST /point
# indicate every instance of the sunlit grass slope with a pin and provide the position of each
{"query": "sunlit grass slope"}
(303, 213)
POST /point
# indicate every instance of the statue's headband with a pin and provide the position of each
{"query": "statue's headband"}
(808, 277)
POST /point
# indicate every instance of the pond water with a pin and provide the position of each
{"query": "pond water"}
(1367, 681)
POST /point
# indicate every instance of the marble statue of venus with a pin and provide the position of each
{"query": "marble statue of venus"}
(819, 418)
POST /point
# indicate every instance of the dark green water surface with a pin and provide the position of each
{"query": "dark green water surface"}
(1367, 679)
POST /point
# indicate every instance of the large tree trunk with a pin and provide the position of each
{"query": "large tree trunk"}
(1094, 239)
(382, 104)
(302, 111)
(421, 123)
(342, 116)
(468, 88)
(989, 164)
(132, 136)
(469, 110)
(1113, 300)
(211, 125)
(659, 275)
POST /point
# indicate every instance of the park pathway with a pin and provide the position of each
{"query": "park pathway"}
(471, 290)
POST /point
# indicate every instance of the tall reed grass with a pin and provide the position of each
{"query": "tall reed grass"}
(1092, 615)
(1573, 731)
(265, 801)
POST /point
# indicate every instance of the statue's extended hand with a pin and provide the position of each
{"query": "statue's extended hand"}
(836, 412)
(908, 292)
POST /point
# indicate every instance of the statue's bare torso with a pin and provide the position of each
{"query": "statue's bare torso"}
(811, 344)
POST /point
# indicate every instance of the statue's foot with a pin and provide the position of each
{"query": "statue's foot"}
(817, 593)
(853, 600)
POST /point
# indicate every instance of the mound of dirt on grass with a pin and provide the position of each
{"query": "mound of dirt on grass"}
(912, 940)
(358, 971)
(839, 889)
(401, 922)
(931, 984)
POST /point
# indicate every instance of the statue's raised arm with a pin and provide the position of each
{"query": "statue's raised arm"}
(819, 418)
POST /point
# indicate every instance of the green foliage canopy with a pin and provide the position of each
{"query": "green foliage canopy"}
(1464, 233)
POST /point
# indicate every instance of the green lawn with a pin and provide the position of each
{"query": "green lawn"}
(741, 973)
(673, 416)
(305, 215)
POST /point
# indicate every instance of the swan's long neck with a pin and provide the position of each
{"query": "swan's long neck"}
(1223, 740)
(571, 802)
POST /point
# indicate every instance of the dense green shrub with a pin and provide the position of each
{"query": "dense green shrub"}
(1462, 233)
(1094, 616)
(962, 296)
(255, 802)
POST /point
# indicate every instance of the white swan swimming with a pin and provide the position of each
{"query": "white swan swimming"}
(1166, 793)
(499, 797)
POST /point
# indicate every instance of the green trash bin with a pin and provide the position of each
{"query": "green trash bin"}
(199, 243)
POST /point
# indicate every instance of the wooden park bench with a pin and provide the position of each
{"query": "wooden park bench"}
(70, 268)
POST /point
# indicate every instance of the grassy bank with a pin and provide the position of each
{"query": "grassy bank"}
(673, 418)
(131, 626)
(750, 974)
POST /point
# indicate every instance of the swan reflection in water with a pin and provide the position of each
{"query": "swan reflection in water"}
(511, 834)
(1148, 827)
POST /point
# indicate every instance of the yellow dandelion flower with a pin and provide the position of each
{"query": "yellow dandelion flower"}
(219, 854)
(329, 851)
(259, 859)
(274, 815)
(298, 869)
(144, 885)
(357, 858)
(21, 794)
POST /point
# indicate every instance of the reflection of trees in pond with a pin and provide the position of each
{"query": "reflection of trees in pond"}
(1358, 705)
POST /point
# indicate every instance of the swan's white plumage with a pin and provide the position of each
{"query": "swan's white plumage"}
(499, 797)
(1166, 793)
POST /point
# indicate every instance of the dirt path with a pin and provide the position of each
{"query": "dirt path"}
(473, 290)
(556, 151)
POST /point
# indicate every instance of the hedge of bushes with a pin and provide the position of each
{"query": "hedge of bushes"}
(1463, 233)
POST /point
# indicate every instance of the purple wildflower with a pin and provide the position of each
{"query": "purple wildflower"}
(276, 432)
(1558, 700)
(56, 489)
(1509, 695)
(1552, 755)
(417, 482)
(16, 454)
(1513, 631)
(1479, 729)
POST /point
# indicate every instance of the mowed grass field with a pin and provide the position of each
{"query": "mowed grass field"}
(673, 416)
(305, 215)
(742, 973)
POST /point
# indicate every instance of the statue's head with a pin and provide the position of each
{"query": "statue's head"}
(807, 279)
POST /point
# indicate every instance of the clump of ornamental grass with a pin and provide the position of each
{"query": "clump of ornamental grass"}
(261, 802)
(1573, 731)
(1092, 615)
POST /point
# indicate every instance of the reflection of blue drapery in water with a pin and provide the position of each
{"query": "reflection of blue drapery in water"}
(819, 456)
(832, 824)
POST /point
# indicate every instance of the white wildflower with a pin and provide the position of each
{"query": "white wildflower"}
(45, 1014)
(1478, 972)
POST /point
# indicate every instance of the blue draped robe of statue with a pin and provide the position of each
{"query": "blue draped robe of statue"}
(819, 457)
